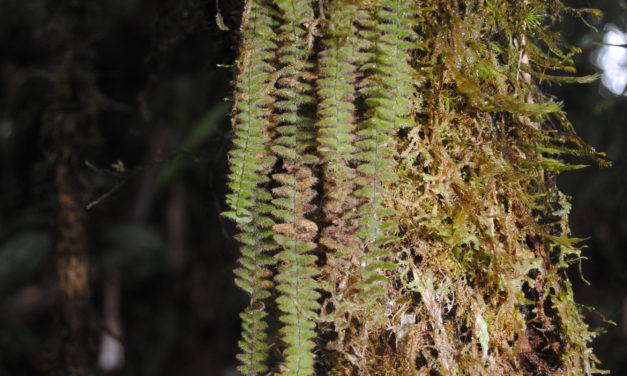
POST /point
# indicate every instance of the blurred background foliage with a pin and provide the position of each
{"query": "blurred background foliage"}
(153, 176)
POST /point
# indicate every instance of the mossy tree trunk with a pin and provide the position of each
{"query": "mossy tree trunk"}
(68, 130)
(393, 181)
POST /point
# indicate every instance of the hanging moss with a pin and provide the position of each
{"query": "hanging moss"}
(415, 209)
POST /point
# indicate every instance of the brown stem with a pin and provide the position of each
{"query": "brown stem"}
(72, 274)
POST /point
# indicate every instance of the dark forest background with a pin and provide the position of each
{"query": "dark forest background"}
(151, 82)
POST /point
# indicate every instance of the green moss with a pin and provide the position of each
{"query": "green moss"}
(437, 240)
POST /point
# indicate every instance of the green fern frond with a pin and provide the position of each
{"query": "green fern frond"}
(337, 74)
(250, 161)
(295, 232)
(390, 96)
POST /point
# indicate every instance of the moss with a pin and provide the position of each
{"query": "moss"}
(444, 235)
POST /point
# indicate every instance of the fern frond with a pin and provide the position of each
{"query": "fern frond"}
(342, 48)
(295, 232)
(390, 94)
(250, 160)
(336, 119)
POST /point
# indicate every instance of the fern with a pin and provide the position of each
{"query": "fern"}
(250, 162)
(389, 93)
(336, 124)
(294, 232)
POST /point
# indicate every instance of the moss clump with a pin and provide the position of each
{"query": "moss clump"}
(440, 235)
